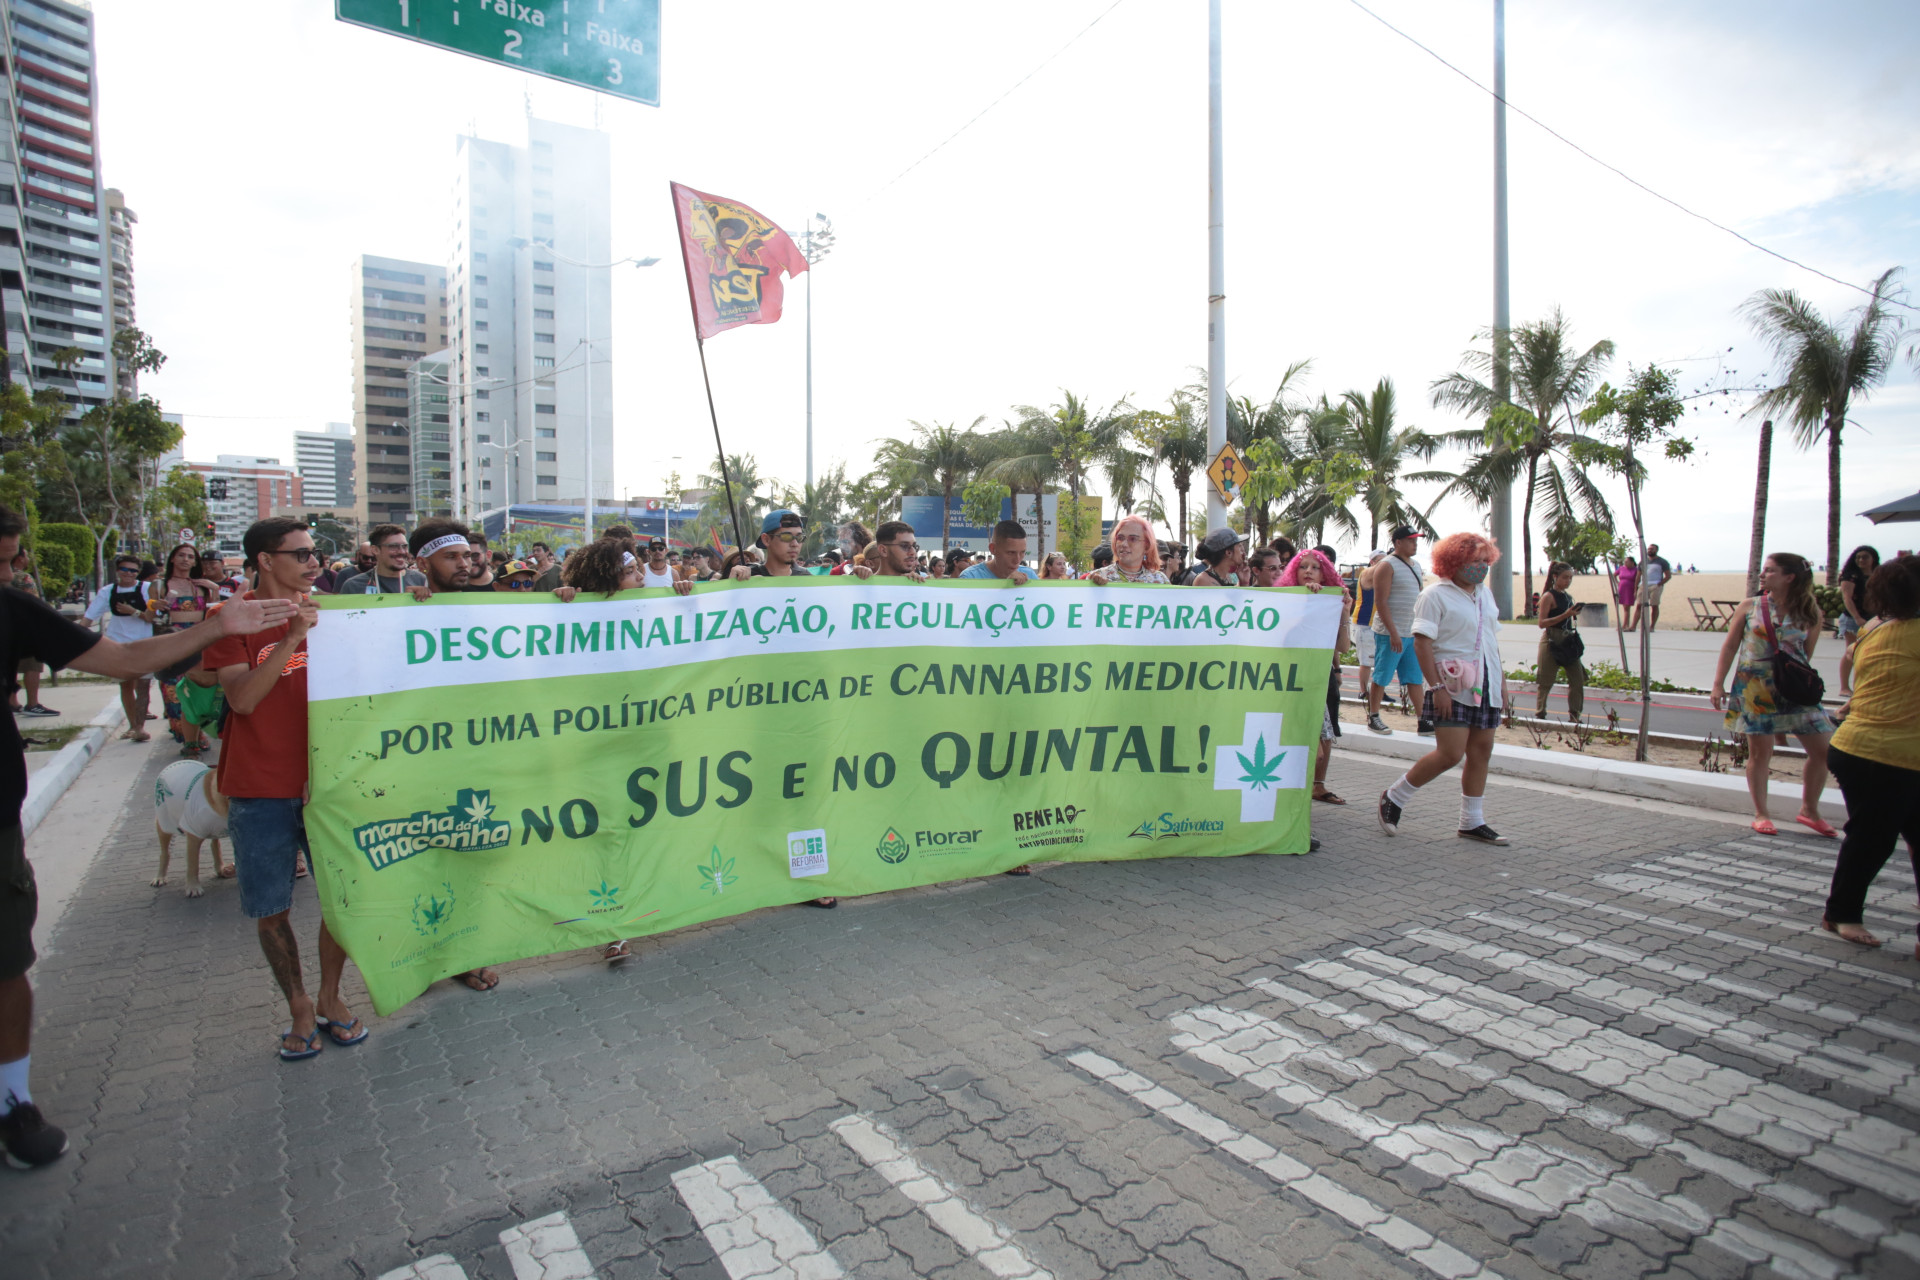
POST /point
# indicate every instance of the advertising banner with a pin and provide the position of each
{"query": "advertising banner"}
(495, 777)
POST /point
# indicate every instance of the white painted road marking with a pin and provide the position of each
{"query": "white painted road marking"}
(749, 1231)
(986, 1241)
(1867, 1152)
(1522, 1174)
(440, 1266)
(546, 1249)
(1403, 1237)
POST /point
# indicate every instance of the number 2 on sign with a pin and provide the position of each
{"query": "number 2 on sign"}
(513, 44)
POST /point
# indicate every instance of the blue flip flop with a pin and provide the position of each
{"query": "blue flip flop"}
(312, 1049)
(333, 1030)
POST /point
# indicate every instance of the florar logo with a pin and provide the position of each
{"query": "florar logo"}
(606, 898)
(468, 823)
(717, 874)
(430, 912)
(893, 847)
(1037, 828)
(1168, 827)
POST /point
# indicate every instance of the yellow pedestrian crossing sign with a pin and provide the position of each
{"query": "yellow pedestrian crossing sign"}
(1228, 472)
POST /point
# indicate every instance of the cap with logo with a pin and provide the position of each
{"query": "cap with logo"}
(1219, 542)
(1404, 531)
(512, 567)
(656, 542)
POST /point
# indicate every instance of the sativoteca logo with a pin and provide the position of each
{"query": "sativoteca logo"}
(466, 824)
(1053, 825)
(893, 847)
(1168, 827)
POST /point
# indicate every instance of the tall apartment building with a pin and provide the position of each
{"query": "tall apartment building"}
(529, 289)
(325, 461)
(427, 421)
(53, 259)
(399, 313)
(242, 489)
(120, 220)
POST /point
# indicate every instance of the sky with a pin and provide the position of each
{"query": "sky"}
(1058, 242)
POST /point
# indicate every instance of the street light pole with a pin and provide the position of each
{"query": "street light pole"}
(816, 242)
(1500, 509)
(1216, 274)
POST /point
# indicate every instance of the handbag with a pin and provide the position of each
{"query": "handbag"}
(1566, 647)
(1794, 679)
(201, 704)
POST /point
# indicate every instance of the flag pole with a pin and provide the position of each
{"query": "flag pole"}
(693, 307)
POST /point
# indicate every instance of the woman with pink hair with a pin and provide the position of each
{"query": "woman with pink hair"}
(1456, 635)
(1313, 570)
(1136, 556)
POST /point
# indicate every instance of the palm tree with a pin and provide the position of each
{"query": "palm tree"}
(1248, 422)
(1385, 448)
(1179, 439)
(1323, 435)
(1021, 456)
(753, 497)
(1756, 541)
(1823, 369)
(947, 457)
(1530, 435)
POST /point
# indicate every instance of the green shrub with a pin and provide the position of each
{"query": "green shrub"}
(78, 540)
(54, 565)
(1606, 675)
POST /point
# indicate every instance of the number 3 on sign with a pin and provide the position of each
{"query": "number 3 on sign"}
(613, 71)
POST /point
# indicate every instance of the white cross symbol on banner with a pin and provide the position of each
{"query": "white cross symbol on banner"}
(1260, 767)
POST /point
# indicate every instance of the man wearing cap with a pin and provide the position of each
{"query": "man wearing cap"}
(515, 575)
(1005, 551)
(656, 572)
(1396, 581)
(1224, 553)
(780, 536)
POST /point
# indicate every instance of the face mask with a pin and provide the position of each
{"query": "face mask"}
(1472, 575)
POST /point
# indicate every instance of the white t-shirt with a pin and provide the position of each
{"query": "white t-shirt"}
(121, 629)
(1462, 625)
(648, 578)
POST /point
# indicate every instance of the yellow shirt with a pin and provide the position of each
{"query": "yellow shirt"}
(1883, 720)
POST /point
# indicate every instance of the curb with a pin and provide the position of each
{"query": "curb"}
(1722, 792)
(46, 786)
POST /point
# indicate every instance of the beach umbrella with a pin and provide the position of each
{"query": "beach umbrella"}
(1897, 511)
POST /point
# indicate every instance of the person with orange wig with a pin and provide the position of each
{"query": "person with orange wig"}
(1456, 634)
(1136, 556)
(1313, 570)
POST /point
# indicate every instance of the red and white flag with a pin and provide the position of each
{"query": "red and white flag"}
(734, 258)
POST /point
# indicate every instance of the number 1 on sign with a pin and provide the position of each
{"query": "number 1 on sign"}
(403, 12)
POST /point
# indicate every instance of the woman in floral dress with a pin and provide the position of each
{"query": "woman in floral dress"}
(1754, 707)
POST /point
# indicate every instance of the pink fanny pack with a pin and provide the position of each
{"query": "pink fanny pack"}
(1463, 679)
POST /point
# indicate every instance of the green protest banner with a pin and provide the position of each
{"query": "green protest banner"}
(495, 777)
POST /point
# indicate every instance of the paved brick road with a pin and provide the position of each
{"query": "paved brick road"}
(1615, 1049)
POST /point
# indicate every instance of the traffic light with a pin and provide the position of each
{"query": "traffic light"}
(210, 529)
(313, 522)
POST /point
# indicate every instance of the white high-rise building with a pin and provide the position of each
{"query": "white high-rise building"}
(528, 298)
(325, 460)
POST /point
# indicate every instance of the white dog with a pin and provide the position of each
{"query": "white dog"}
(187, 801)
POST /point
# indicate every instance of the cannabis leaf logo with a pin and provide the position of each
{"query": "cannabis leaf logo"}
(1261, 772)
(435, 911)
(893, 848)
(606, 895)
(716, 875)
(480, 808)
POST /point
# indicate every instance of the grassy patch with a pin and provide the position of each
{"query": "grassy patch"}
(50, 739)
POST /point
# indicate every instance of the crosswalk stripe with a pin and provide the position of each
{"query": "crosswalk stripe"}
(1700, 898)
(1810, 888)
(546, 1249)
(1800, 1199)
(1728, 880)
(750, 1233)
(1862, 1150)
(1522, 1174)
(1403, 1237)
(1882, 1076)
(1732, 939)
(986, 1241)
(440, 1266)
(1782, 852)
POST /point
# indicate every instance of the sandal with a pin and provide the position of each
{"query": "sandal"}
(1024, 869)
(479, 979)
(342, 1033)
(616, 952)
(137, 735)
(1859, 938)
(1764, 826)
(1325, 796)
(826, 904)
(1820, 825)
(310, 1046)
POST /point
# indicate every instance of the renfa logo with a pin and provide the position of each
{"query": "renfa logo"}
(466, 824)
(893, 847)
(1168, 827)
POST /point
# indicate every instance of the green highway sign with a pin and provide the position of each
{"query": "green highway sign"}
(609, 45)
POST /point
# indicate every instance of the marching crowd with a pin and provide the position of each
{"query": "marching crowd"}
(211, 636)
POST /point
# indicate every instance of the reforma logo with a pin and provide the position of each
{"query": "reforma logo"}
(807, 853)
(1168, 827)
(1056, 825)
(893, 847)
(466, 824)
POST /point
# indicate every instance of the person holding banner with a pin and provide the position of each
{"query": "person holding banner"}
(1136, 555)
(1006, 550)
(894, 553)
(1456, 635)
(781, 534)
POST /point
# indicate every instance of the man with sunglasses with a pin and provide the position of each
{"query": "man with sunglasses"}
(390, 572)
(514, 575)
(655, 571)
(125, 614)
(781, 534)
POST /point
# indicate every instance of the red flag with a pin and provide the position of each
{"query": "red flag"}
(734, 258)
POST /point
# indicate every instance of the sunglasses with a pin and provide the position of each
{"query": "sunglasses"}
(520, 584)
(302, 554)
(785, 536)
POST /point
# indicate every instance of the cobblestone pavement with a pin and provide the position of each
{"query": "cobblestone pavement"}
(1615, 1049)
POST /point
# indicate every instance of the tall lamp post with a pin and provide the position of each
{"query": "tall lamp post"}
(1216, 273)
(816, 242)
(1500, 509)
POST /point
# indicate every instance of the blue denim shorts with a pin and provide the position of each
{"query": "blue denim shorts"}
(267, 834)
(1387, 663)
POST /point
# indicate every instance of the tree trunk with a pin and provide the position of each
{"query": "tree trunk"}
(1755, 547)
(1836, 419)
(1526, 533)
(946, 516)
